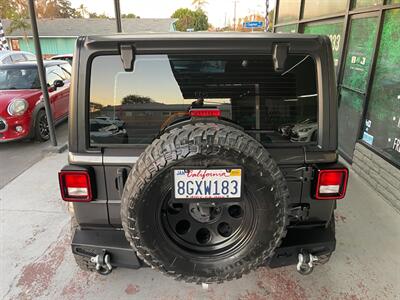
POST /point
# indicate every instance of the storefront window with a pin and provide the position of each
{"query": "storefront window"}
(350, 113)
(352, 92)
(286, 29)
(359, 55)
(382, 124)
(334, 30)
(366, 3)
(288, 11)
(319, 8)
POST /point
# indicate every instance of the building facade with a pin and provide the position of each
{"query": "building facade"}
(58, 36)
(365, 38)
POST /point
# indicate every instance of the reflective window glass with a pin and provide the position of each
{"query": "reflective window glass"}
(382, 124)
(359, 53)
(333, 29)
(319, 8)
(356, 70)
(286, 29)
(288, 11)
(366, 3)
(133, 107)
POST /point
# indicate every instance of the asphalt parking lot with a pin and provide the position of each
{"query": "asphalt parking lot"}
(36, 261)
(16, 157)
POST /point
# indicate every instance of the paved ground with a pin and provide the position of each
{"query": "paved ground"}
(16, 157)
(36, 262)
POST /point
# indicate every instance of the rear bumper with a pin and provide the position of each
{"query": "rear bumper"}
(317, 241)
(93, 242)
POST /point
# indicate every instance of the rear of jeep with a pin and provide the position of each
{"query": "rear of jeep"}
(203, 156)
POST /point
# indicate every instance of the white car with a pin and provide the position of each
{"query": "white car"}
(11, 57)
(108, 120)
(66, 57)
(104, 129)
(304, 132)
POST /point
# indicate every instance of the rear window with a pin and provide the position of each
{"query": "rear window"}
(132, 107)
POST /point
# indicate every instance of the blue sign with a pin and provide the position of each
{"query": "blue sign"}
(368, 138)
(253, 24)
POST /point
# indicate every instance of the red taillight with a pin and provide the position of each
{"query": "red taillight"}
(203, 113)
(331, 184)
(75, 186)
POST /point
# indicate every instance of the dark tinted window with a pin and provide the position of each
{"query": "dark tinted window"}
(132, 107)
(12, 78)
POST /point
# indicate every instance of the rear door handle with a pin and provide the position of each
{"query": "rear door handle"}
(122, 175)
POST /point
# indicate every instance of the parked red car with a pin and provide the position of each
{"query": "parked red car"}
(22, 113)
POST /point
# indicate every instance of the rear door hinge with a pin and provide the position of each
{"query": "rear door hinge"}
(279, 55)
(128, 53)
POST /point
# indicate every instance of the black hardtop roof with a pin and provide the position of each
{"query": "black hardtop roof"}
(206, 41)
(201, 36)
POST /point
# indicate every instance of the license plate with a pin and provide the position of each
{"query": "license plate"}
(207, 183)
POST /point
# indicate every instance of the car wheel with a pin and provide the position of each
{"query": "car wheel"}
(42, 132)
(215, 240)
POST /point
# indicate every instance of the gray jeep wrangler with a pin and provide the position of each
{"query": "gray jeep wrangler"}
(203, 155)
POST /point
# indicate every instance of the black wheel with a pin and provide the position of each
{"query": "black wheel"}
(210, 241)
(83, 262)
(42, 132)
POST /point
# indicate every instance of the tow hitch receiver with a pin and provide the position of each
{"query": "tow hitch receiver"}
(102, 261)
(305, 264)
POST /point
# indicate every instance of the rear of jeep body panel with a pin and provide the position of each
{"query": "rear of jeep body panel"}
(108, 162)
(311, 227)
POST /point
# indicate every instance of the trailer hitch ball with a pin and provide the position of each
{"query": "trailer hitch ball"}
(103, 265)
(305, 263)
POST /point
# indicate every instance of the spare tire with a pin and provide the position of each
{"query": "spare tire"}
(211, 241)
